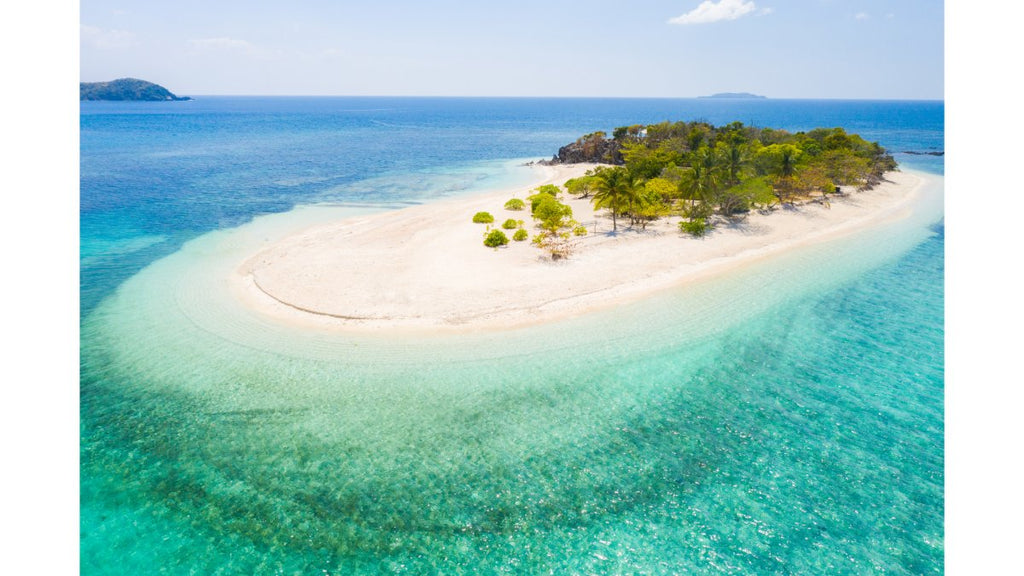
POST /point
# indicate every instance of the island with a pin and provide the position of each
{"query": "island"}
(131, 89)
(735, 95)
(675, 202)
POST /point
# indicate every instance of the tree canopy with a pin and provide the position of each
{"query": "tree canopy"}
(696, 167)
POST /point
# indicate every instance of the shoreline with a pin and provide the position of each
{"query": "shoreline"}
(424, 268)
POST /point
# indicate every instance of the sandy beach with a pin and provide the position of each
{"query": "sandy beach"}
(425, 267)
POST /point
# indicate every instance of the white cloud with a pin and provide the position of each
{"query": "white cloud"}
(236, 45)
(218, 43)
(710, 11)
(862, 16)
(106, 39)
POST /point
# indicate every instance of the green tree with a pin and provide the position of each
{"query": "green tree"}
(552, 215)
(650, 204)
(703, 179)
(644, 162)
(733, 153)
(615, 191)
(582, 186)
(780, 161)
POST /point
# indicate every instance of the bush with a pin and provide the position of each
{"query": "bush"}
(520, 235)
(579, 230)
(699, 211)
(510, 224)
(495, 238)
(730, 204)
(515, 204)
(696, 227)
(536, 199)
(552, 213)
(483, 218)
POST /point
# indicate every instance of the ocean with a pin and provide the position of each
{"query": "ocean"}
(784, 419)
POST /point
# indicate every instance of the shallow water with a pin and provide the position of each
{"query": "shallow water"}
(786, 418)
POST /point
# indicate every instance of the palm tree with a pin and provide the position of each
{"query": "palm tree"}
(734, 157)
(703, 179)
(615, 189)
(787, 156)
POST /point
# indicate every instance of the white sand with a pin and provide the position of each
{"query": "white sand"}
(425, 267)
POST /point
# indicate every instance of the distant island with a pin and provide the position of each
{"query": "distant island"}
(735, 95)
(127, 89)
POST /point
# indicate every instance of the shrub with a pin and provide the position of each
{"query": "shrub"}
(510, 224)
(520, 235)
(483, 218)
(552, 213)
(515, 204)
(537, 198)
(495, 238)
(699, 211)
(731, 204)
(696, 227)
(580, 230)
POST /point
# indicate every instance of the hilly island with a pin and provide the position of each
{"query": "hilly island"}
(127, 89)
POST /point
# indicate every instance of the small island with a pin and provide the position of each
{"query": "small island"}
(607, 220)
(127, 89)
(735, 95)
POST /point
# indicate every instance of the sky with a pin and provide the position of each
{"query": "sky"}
(889, 49)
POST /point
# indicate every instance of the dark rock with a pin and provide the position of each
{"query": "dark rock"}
(592, 148)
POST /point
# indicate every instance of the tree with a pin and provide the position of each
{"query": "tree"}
(582, 186)
(649, 204)
(615, 191)
(733, 152)
(780, 162)
(552, 215)
(541, 193)
(555, 221)
(703, 179)
(645, 162)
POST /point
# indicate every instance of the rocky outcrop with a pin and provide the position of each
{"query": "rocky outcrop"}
(592, 148)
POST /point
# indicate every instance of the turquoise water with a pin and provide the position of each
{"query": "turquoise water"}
(785, 419)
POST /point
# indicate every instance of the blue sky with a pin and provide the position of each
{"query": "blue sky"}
(656, 48)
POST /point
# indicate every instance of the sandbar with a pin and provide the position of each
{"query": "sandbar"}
(425, 267)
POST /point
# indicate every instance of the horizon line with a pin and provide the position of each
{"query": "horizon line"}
(846, 98)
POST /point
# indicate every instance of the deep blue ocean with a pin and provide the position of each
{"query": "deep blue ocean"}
(786, 420)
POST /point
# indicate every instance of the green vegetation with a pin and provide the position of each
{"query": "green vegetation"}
(697, 227)
(583, 186)
(542, 193)
(126, 89)
(495, 238)
(700, 172)
(515, 204)
(483, 218)
(697, 170)
(554, 220)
